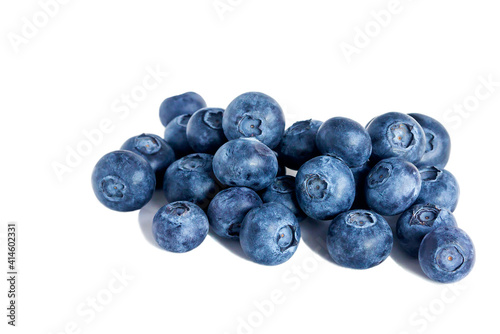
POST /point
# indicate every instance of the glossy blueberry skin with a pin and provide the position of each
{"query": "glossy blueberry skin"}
(299, 143)
(396, 135)
(270, 234)
(438, 142)
(282, 190)
(414, 224)
(392, 186)
(346, 139)
(180, 227)
(156, 152)
(191, 179)
(228, 208)
(245, 162)
(255, 115)
(446, 254)
(359, 239)
(123, 181)
(204, 130)
(175, 136)
(325, 187)
(360, 173)
(439, 187)
(174, 106)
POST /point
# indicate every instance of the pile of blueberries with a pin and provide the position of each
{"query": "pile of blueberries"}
(226, 169)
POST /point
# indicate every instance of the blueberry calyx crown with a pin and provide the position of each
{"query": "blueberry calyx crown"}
(361, 219)
(147, 144)
(213, 118)
(401, 136)
(286, 238)
(113, 188)
(450, 258)
(192, 162)
(249, 126)
(379, 174)
(316, 186)
(429, 140)
(183, 120)
(425, 215)
(178, 208)
(430, 174)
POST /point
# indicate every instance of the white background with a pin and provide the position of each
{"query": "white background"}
(70, 74)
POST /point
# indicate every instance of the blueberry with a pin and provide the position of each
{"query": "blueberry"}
(175, 136)
(439, 187)
(359, 239)
(245, 162)
(191, 179)
(282, 190)
(254, 115)
(438, 143)
(346, 139)
(270, 234)
(174, 106)
(446, 254)
(180, 227)
(392, 186)
(360, 173)
(419, 220)
(123, 181)
(396, 135)
(325, 187)
(228, 208)
(155, 150)
(299, 143)
(204, 130)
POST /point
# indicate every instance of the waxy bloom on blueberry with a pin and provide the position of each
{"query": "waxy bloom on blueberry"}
(438, 142)
(228, 208)
(325, 187)
(254, 115)
(245, 162)
(180, 227)
(191, 179)
(446, 254)
(396, 135)
(359, 239)
(299, 144)
(439, 187)
(123, 181)
(175, 136)
(270, 234)
(204, 130)
(392, 186)
(345, 139)
(414, 224)
(155, 150)
(184, 104)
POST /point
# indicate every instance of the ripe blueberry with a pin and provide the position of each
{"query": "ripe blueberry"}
(174, 106)
(123, 181)
(180, 227)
